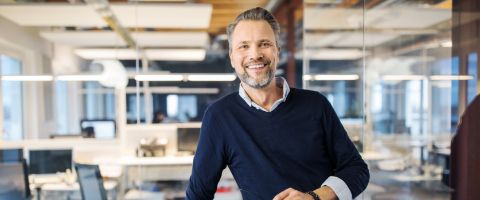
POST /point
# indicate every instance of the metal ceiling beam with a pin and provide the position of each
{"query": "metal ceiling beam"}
(102, 7)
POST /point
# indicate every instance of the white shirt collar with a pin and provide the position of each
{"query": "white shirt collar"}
(278, 80)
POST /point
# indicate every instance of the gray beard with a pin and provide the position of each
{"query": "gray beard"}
(248, 80)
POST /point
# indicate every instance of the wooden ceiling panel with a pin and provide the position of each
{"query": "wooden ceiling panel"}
(225, 11)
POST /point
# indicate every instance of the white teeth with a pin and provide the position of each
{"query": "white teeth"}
(255, 66)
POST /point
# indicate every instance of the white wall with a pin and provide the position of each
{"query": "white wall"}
(35, 54)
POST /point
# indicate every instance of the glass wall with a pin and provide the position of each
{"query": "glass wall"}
(390, 62)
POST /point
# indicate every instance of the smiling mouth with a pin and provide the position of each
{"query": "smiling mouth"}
(256, 65)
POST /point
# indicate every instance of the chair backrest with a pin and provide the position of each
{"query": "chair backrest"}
(91, 182)
(14, 180)
(9, 155)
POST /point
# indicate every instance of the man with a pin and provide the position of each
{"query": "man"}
(278, 142)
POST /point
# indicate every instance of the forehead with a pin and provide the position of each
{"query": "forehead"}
(250, 30)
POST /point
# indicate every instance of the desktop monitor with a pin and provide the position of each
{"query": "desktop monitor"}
(103, 129)
(187, 139)
(14, 181)
(50, 161)
(11, 155)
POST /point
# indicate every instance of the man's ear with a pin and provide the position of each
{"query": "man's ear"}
(230, 56)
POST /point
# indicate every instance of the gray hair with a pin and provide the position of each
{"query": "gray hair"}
(256, 14)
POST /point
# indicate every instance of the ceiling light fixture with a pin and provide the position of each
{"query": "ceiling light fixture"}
(27, 78)
(330, 77)
(79, 77)
(402, 77)
(160, 77)
(211, 77)
(196, 54)
(450, 77)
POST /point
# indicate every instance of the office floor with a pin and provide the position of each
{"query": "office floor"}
(385, 186)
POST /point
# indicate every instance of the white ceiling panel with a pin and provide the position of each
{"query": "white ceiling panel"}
(384, 18)
(409, 18)
(143, 39)
(333, 18)
(191, 16)
(334, 54)
(347, 39)
(152, 54)
(172, 39)
(321, 40)
(356, 39)
(52, 15)
(84, 39)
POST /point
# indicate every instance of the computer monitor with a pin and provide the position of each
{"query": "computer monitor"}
(50, 161)
(187, 139)
(11, 155)
(14, 181)
(103, 129)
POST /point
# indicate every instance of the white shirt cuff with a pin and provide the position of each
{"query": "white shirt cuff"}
(339, 187)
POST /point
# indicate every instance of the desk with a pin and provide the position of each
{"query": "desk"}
(156, 168)
(167, 168)
(377, 156)
(62, 190)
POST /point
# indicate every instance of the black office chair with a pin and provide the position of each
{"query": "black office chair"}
(91, 182)
(14, 174)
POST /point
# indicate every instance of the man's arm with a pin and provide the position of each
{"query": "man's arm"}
(351, 173)
(208, 163)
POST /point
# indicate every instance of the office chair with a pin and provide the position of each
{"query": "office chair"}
(11, 155)
(14, 180)
(91, 183)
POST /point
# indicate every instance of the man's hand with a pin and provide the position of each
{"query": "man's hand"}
(324, 192)
(292, 194)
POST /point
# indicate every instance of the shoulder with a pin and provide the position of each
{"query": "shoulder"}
(307, 95)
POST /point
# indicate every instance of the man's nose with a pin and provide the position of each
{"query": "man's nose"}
(254, 53)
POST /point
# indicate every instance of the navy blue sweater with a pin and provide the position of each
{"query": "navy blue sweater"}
(299, 145)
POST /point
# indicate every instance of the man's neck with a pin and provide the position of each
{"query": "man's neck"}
(264, 97)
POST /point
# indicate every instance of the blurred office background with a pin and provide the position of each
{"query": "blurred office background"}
(122, 85)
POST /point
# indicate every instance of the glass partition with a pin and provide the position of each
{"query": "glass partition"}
(333, 56)
(389, 65)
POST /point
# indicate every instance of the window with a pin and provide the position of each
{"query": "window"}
(12, 99)
(472, 71)
(181, 108)
(132, 108)
(98, 101)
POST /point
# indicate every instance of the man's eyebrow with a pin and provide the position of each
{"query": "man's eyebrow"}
(266, 40)
(242, 43)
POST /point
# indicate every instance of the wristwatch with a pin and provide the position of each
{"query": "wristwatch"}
(314, 195)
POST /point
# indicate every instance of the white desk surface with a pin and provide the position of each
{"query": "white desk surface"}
(376, 155)
(62, 186)
(156, 161)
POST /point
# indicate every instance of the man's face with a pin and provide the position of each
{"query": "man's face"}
(254, 53)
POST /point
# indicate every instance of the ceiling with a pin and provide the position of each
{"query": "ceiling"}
(198, 24)
(225, 11)
(113, 26)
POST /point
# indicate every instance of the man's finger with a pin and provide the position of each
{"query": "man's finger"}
(283, 194)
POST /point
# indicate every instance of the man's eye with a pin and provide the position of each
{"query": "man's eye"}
(265, 44)
(243, 47)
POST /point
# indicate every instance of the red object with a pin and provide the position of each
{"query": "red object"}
(465, 155)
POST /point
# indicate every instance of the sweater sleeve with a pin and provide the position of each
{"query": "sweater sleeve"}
(348, 164)
(209, 161)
